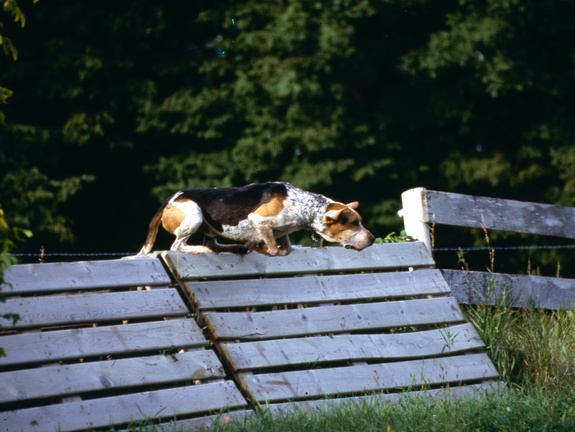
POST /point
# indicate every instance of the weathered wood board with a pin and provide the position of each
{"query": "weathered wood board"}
(352, 347)
(80, 359)
(317, 289)
(100, 307)
(300, 261)
(122, 410)
(102, 375)
(318, 406)
(334, 319)
(472, 287)
(84, 275)
(297, 385)
(500, 214)
(66, 345)
(387, 325)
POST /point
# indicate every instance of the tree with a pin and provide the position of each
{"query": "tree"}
(297, 96)
(8, 235)
(11, 7)
(505, 71)
(356, 100)
(24, 185)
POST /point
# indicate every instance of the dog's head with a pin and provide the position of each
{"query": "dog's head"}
(341, 223)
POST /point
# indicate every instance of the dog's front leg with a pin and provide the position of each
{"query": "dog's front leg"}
(263, 226)
(285, 245)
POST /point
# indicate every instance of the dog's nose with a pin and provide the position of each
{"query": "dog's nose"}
(371, 239)
(367, 241)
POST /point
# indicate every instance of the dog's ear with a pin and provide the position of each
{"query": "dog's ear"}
(331, 216)
(353, 205)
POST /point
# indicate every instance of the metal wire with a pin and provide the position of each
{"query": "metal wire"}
(439, 249)
(78, 254)
(500, 248)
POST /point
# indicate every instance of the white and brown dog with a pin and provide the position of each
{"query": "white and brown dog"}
(255, 216)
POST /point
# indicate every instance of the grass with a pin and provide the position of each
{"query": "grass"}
(514, 410)
(529, 347)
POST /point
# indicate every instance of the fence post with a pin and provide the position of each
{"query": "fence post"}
(415, 215)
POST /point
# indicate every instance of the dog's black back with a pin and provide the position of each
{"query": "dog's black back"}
(228, 206)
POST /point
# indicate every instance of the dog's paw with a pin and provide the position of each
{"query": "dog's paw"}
(238, 249)
(265, 250)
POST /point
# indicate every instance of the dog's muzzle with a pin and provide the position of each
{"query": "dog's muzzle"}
(363, 244)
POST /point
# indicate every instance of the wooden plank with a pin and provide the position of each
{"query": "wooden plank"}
(500, 214)
(119, 410)
(319, 406)
(284, 386)
(315, 350)
(77, 308)
(300, 261)
(59, 381)
(471, 287)
(83, 275)
(58, 345)
(314, 289)
(336, 319)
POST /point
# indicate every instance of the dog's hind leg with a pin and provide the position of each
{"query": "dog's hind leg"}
(189, 225)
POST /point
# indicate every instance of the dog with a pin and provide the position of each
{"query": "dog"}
(257, 217)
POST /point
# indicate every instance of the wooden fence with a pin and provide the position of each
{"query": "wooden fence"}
(103, 343)
(422, 209)
(181, 338)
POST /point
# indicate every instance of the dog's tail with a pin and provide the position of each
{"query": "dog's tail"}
(152, 232)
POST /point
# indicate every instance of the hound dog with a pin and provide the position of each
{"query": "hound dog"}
(256, 217)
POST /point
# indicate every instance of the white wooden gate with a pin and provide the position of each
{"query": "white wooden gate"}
(422, 209)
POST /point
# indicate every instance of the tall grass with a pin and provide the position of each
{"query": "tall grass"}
(511, 411)
(514, 410)
(530, 347)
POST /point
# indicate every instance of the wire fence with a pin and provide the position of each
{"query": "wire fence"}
(72, 254)
(502, 248)
(438, 249)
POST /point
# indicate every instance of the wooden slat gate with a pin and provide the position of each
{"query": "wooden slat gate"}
(92, 350)
(422, 209)
(105, 343)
